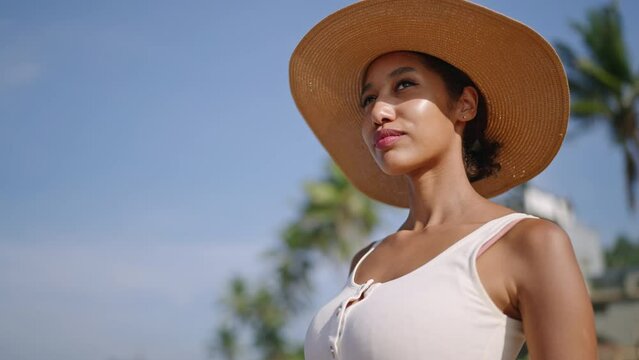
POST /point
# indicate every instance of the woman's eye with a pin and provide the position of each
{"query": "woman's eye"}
(367, 100)
(404, 84)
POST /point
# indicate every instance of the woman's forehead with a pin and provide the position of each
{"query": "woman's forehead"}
(392, 59)
(392, 63)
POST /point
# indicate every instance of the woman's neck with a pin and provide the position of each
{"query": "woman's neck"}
(441, 196)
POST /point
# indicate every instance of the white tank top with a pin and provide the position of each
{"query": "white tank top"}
(438, 311)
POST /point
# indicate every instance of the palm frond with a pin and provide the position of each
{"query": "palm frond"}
(603, 34)
(590, 108)
(601, 76)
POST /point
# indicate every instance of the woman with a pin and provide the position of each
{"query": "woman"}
(437, 105)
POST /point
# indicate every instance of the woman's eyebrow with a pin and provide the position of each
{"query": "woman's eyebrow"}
(394, 73)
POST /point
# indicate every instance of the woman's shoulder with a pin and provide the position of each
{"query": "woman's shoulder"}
(537, 235)
(536, 248)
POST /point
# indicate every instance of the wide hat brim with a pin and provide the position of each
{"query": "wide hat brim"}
(517, 70)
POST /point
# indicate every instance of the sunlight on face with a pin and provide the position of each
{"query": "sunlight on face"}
(405, 109)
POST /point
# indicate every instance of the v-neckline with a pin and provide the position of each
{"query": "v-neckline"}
(450, 248)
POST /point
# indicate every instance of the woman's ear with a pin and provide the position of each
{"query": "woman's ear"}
(466, 108)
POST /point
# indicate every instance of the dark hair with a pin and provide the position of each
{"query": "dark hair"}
(478, 151)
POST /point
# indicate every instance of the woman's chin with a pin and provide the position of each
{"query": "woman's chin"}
(393, 167)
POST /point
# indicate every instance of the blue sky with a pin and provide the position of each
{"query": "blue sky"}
(150, 149)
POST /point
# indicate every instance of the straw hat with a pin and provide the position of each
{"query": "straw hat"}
(518, 72)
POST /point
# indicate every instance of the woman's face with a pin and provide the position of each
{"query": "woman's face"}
(407, 115)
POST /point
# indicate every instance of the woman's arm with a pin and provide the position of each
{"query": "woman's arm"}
(552, 296)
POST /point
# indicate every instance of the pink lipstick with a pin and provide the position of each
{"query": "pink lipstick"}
(385, 138)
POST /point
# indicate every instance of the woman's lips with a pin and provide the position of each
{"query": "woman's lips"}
(386, 142)
(385, 138)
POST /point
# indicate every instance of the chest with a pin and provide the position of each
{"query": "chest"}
(436, 310)
(449, 300)
(493, 270)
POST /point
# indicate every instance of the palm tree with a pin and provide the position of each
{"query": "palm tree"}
(334, 220)
(603, 85)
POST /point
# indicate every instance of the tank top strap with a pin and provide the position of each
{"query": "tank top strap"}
(351, 276)
(497, 229)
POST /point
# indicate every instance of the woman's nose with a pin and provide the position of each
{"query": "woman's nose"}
(382, 112)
